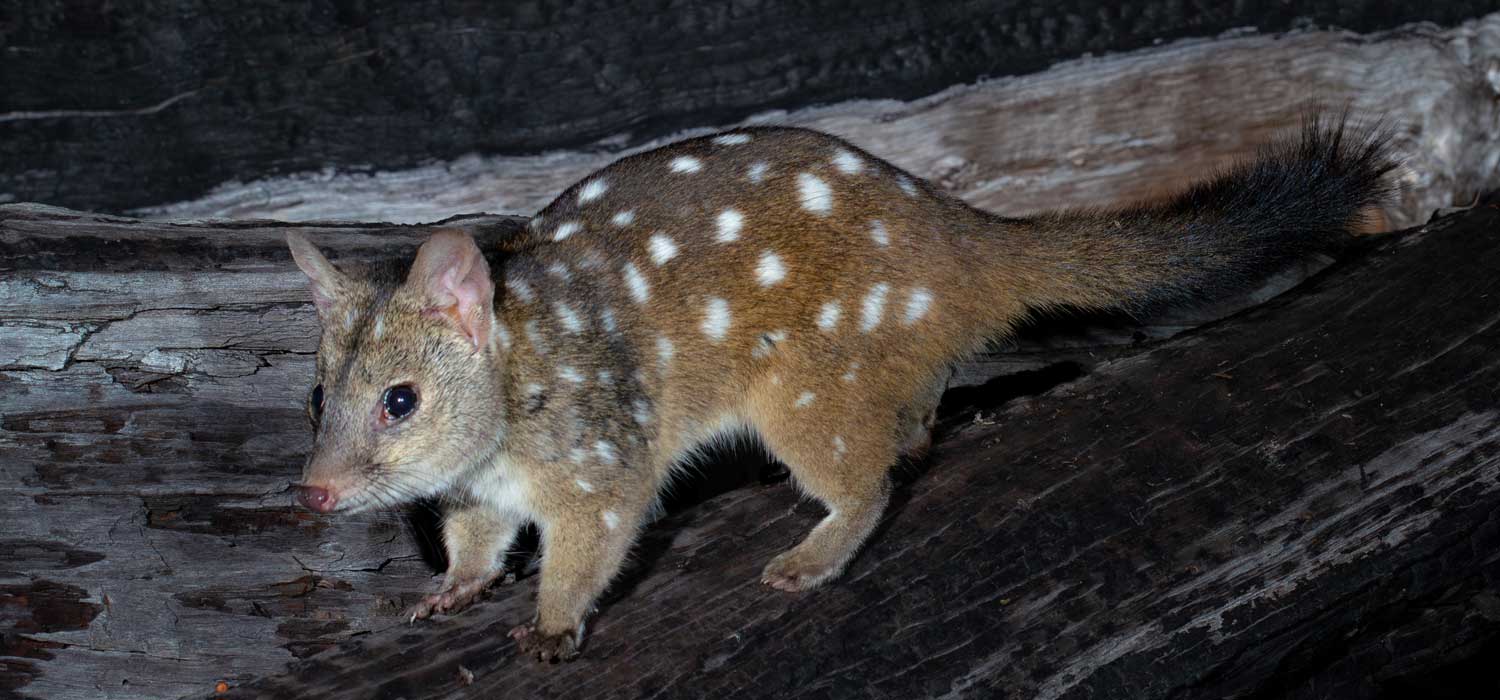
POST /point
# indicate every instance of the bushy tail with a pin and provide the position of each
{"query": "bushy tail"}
(1296, 197)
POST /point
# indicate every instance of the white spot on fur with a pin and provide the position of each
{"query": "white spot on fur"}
(662, 248)
(502, 333)
(839, 448)
(847, 162)
(380, 326)
(611, 520)
(732, 139)
(850, 374)
(641, 411)
(577, 454)
(521, 289)
(873, 307)
(565, 229)
(534, 335)
(570, 374)
(916, 305)
(606, 376)
(607, 319)
(716, 319)
(583, 486)
(878, 232)
(805, 399)
(907, 186)
(815, 195)
(349, 319)
(534, 389)
(636, 282)
(592, 191)
(757, 172)
(665, 350)
(686, 164)
(775, 380)
(828, 316)
(560, 271)
(606, 452)
(770, 269)
(569, 318)
(624, 218)
(535, 223)
(730, 222)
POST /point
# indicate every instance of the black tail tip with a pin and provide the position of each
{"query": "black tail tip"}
(1354, 163)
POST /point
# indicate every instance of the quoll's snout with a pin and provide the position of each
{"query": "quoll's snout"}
(316, 498)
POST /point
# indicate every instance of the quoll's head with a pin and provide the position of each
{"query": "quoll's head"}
(401, 403)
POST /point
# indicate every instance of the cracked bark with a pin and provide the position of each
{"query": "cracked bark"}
(1202, 515)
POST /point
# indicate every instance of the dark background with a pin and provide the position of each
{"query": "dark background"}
(266, 87)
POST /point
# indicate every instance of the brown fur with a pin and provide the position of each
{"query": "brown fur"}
(548, 395)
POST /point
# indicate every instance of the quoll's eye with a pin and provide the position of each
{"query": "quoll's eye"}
(315, 404)
(399, 401)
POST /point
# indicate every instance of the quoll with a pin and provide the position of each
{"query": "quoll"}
(773, 281)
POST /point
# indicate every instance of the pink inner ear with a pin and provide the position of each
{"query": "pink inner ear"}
(457, 281)
(466, 291)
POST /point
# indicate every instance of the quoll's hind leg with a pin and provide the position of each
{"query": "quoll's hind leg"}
(476, 538)
(847, 471)
(918, 418)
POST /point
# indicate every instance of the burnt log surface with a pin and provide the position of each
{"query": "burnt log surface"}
(115, 106)
(1298, 500)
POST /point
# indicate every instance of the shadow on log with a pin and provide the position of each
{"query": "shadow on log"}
(1296, 501)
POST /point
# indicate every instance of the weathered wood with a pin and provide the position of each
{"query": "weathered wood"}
(110, 106)
(1089, 132)
(1330, 454)
(153, 377)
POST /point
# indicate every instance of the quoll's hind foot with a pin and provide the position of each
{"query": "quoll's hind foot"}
(453, 597)
(798, 569)
(547, 648)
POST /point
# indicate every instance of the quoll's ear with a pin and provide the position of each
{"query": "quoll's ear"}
(325, 279)
(453, 277)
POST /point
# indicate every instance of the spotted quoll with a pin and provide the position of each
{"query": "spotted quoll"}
(776, 282)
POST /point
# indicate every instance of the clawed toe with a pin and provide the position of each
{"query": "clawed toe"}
(791, 572)
(546, 648)
(451, 599)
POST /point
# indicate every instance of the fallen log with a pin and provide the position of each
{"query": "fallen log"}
(108, 109)
(1263, 506)
(1087, 132)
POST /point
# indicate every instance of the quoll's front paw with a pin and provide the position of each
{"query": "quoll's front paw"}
(797, 570)
(453, 597)
(549, 648)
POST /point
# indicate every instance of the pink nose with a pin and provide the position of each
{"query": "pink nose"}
(316, 498)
